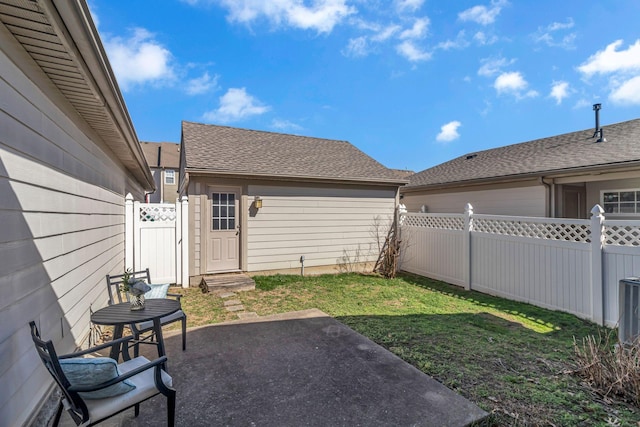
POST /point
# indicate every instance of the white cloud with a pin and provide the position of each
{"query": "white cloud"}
(547, 35)
(561, 25)
(412, 52)
(236, 105)
(512, 83)
(409, 5)
(419, 29)
(483, 15)
(483, 39)
(627, 93)
(612, 60)
(285, 125)
(139, 59)
(459, 43)
(364, 45)
(449, 132)
(386, 33)
(582, 103)
(559, 91)
(322, 16)
(202, 84)
(356, 48)
(487, 108)
(621, 67)
(492, 66)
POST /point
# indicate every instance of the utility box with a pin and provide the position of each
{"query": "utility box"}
(629, 300)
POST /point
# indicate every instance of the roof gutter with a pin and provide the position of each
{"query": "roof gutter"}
(551, 196)
(271, 177)
(558, 173)
(81, 38)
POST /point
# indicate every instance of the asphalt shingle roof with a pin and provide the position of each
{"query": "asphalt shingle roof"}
(542, 156)
(222, 149)
(169, 154)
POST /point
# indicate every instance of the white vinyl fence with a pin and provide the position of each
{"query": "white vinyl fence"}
(157, 238)
(562, 264)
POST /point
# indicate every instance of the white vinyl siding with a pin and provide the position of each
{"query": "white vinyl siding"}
(62, 215)
(520, 201)
(320, 223)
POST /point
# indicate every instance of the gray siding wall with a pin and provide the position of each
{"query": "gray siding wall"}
(320, 223)
(519, 201)
(156, 196)
(62, 214)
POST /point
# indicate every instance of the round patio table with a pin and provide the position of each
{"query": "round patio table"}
(121, 314)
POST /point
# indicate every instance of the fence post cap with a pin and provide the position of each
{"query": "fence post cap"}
(128, 197)
(597, 210)
(468, 208)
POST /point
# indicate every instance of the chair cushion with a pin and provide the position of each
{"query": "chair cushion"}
(145, 388)
(81, 371)
(157, 291)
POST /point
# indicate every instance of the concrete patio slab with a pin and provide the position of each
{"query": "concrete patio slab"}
(298, 369)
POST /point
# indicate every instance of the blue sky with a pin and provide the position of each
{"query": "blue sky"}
(412, 83)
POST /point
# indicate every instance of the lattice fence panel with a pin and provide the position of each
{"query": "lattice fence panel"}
(430, 221)
(538, 230)
(622, 235)
(157, 213)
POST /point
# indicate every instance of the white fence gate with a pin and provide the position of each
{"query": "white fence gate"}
(157, 238)
(562, 264)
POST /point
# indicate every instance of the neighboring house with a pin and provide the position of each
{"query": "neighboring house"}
(260, 201)
(164, 160)
(68, 156)
(561, 176)
(402, 173)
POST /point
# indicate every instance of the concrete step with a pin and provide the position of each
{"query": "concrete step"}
(227, 283)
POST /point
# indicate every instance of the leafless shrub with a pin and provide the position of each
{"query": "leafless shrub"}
(388, 248)
(349, 261)
(610, 369)
(378, 231)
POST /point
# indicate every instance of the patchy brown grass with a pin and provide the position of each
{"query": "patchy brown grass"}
(613, 370)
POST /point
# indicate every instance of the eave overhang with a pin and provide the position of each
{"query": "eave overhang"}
(632, 165)
(62, 40)
(297, 178)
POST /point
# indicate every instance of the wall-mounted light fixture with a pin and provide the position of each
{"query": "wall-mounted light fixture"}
(257, 202)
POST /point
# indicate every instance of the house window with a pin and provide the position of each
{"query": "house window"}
(169, 177)
(621, 202)
(224, 211)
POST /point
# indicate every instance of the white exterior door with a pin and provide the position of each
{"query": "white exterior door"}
(223, 242)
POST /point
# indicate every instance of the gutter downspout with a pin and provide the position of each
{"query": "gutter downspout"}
(551, 196)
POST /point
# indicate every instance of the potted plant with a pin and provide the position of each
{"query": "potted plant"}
(134, 289)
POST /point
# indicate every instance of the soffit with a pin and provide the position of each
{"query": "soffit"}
(54, 50)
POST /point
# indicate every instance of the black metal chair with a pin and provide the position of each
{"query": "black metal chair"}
(146, 376)
(139, 329)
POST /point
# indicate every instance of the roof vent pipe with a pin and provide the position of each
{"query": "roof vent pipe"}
(598, 132)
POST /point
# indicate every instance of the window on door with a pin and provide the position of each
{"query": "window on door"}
(621, 202)
(224, 211)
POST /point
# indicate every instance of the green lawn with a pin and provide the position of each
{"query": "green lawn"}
(512, 359)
